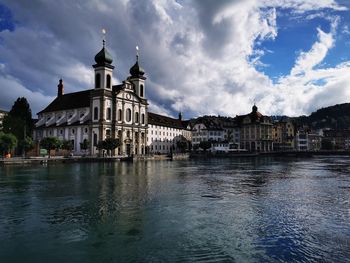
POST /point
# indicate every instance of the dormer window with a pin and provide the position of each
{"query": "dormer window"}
(82, 115)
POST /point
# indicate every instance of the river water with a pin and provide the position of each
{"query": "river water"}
(218, 210)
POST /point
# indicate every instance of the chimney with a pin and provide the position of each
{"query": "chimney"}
(60, 90)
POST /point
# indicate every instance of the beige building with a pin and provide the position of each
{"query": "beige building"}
(256, 131)
(283, 135)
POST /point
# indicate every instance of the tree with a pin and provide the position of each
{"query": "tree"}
(50, 143)
(110, 144)
(67, 145)
(19, 121)
(7, 142)
(182, 144)
(84, 145)
(205, 145)
(26, 144)
(326, 144)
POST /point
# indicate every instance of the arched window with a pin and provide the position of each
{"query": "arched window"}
(141, 90)
(143, 118)
(136, 117)
(128, 115)
(120, 115)
(97, 81)
(108, 81)
(95, 113)
(109, 114)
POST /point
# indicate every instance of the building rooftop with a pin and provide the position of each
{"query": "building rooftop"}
(69, 101)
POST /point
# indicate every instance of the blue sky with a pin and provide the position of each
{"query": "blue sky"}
(201, 57)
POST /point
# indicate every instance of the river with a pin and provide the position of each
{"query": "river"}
(262, 209)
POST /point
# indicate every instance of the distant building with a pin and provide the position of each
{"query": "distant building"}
(164, 133)
(216, 129)
(339, 139)
(256, 131)
(283, 135)
(2, 115)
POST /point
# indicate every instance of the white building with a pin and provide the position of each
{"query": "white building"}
(215, 129)
(164, 133)
(107, 111)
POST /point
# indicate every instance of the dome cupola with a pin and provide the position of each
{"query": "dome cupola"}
(103, 57)
(136, 70)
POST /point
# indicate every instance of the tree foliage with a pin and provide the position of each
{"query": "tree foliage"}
(7, 142)
(19, 121)
(84, 145)
(108, 144)
(67, 145)
(50, 143)
(205, 145)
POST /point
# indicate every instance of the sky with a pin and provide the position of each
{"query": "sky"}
(201, 57)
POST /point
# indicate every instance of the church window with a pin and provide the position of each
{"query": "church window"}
(73, 131)
(86, 130)
(61, 131)
(141, 91)
(109, 114)
(128, 134)
(120, 115)
(97, 81)
(136, 117)
(143, 118)
(95, 113)
(108, 81)
(128, 115)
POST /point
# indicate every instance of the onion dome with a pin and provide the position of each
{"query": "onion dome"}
(136, 70)
(103, 57)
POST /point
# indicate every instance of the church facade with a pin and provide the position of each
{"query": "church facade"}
(106, 111)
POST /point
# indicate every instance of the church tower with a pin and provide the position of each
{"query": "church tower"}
(103, 69)
(137, 78)
(101, 98)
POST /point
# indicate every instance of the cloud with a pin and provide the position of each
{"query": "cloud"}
(200, 57)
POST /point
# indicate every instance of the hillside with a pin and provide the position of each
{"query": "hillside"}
(336, 117)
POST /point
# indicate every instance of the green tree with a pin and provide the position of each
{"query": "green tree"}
(67, 145)
(19, 122)
(50, 143)
(27, 144)
(110, 144)
(84, 145)
(7, 142)
(205, 145)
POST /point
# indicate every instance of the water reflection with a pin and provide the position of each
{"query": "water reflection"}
(216, 210)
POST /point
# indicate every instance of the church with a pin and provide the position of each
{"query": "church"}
(106, 111)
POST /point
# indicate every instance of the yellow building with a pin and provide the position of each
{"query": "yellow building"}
(283, 135)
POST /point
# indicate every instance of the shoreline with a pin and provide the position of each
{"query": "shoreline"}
(90, 159)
